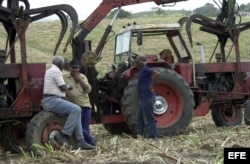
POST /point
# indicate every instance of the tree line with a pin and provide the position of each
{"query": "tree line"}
(208, 10)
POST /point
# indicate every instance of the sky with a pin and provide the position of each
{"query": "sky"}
(85, 7)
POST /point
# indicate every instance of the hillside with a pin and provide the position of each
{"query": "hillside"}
(201, 143)
(42, 36)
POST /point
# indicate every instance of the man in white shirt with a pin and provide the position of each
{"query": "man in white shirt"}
(54, 101)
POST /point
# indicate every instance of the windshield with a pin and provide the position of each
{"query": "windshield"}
(122, 47)
(182, 51)
(141, 40)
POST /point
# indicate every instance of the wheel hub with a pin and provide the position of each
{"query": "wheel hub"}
(53, 134)
(160, 105)
(229, 114)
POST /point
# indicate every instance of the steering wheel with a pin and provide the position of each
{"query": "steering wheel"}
(134, 55)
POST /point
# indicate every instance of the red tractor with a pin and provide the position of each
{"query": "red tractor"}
(21, 83)
(188, 89)
(184, 89)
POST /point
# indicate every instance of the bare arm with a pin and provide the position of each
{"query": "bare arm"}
(84, 84)
(61, 83)
(155, 75)
(65, 87)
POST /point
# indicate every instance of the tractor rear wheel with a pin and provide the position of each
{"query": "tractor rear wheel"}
(42, 130)
(173, 107)
(227, 115)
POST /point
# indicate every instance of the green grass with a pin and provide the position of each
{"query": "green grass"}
(42, 36)
(202, 142)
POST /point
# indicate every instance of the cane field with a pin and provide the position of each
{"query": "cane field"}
(201, 143)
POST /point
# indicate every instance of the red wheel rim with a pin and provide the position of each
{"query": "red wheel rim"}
(174, 104)
(229, 113)
(50, 131)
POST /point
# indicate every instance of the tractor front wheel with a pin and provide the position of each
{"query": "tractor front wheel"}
(42, 130)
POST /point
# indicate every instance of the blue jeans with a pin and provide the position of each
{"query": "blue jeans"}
(146, 125)
(86, 117)
(66, 108)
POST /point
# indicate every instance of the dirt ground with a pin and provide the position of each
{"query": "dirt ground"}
(201, 143)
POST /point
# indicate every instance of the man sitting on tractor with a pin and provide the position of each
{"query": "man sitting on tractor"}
(54, 101)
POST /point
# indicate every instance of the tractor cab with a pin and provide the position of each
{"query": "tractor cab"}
(150, 40)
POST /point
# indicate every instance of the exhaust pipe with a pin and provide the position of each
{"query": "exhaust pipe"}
(201, 52)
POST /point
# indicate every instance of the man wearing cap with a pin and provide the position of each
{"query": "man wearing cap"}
(54, 101)
(146, 124)
(80, 96)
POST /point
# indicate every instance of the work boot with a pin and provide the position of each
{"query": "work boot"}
(92, 141)
(84, 145)
(62, 139)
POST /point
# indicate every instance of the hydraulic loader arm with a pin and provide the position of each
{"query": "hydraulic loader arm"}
(99, 13)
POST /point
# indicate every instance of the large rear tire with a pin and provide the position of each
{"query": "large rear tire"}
(173, 107)
(227, 115)
(43, 129)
